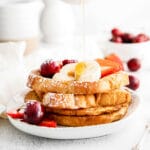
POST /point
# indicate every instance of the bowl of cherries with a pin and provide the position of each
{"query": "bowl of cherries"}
(128, 45)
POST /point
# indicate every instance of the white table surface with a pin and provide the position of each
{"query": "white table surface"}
(13, 139)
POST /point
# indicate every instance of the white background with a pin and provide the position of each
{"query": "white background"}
(101, 15)
(105, 14)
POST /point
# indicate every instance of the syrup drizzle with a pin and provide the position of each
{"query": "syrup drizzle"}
(82, 3)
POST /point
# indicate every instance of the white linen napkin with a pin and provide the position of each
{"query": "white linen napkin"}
(12, 73)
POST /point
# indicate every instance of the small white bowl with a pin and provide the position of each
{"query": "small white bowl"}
(19, 20)
(127, 51)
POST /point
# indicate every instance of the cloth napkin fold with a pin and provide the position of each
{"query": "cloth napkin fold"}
(12, 72)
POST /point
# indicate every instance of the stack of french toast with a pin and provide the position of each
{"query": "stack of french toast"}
(81, 93)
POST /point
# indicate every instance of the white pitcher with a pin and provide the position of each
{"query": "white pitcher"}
(57, 22)
(19, 20)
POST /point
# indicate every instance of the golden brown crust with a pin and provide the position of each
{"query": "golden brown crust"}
(86, 111)
(114, 97)
(75, 121)
(71, 101)
(44, 85)
(31, 95)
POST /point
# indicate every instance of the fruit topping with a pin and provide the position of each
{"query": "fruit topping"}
(68, 61)
(134, 82)
(34, 112)
(116, 32)
(134, 64)
(127, 38)
(15, 114)
(116, 39)
(50, 67)
(87, 71)
(124, 37)
(108, 66)
(114, 57)
(66, 73)
(141, 38)
(48, 123)
(83, 71)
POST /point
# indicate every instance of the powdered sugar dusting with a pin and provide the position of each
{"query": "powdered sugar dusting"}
(59, 100)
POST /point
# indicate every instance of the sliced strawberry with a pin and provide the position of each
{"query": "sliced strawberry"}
(108, 66)
(15, 114)
(48, 123)
(106, 71)
(114, 57)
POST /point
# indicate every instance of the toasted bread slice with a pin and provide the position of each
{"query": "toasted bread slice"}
(86, 111)
(71, 101)
(105, 84)
(75, 121)
(113, 97)
(31, 95)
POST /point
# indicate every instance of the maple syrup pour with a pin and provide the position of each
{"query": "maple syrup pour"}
(82, 3)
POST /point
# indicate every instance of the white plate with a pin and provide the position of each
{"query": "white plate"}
(79, 132)
(2, 108)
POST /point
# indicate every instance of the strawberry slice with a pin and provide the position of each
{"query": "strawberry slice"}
(15, 114)
(108, 66)
(114, 57)
(48, 123)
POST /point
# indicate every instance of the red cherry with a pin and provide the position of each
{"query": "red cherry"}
(116, 39)
(68, 61)
(141, 38)
(34, 112)
(50, 67)
(127, 38)
(116, 32)
(134, 64)
(134, 82)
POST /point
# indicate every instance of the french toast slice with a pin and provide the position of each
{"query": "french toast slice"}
(105, 84)
(87, 111)
(31, 95)
(74, 121)
(98, 110)
(73, 101)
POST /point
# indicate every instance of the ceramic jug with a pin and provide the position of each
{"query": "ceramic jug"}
(57, 21)
(19, 20)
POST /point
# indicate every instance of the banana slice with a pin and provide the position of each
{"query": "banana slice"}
(87, 71)
(66, 73)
